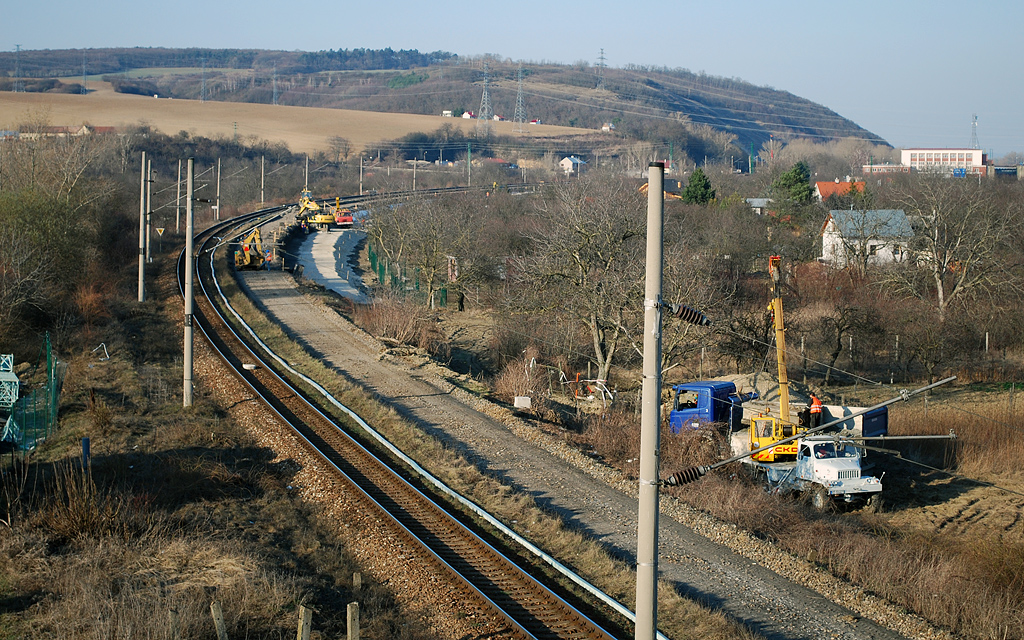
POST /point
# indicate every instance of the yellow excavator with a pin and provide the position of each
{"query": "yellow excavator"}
(250, 253)
(312, 213)
(767, 428)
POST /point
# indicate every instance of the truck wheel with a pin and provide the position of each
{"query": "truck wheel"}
(820, 500)
(873, 504)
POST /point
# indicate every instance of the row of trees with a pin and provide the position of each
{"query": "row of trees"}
(69, 215)
(568, 264)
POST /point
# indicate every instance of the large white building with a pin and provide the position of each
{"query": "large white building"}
(967, 161)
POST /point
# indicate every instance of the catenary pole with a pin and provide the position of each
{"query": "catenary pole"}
(142, 230)
(189, 268)
(647, 530)
(149, 209)
(177, 206)
(217, 217)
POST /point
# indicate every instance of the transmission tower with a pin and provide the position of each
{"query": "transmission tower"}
(974, 133)
(519, 124)
(202, 93)
(486, 114)
(600, 70)
(275, 84)
(85, 86)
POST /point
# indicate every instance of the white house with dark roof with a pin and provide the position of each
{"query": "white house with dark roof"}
(865, 237)
(759, 205)
(571, 165)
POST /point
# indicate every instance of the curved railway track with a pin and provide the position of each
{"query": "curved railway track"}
(489, 578)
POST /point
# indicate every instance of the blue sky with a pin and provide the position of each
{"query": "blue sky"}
(914, 73)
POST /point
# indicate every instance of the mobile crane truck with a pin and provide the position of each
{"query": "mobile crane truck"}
(779, 450)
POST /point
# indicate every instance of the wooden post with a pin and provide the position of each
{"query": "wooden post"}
(353, 620)
(305, 622)
(218, 620)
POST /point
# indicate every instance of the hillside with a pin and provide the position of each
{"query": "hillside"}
(694, 114)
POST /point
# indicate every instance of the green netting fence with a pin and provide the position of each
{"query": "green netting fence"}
(401, 278)
(33, 418)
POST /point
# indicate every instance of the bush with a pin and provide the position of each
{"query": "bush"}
(395, 319)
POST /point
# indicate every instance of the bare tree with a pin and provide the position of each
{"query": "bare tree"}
(339, 148)
(26, 273)
(961, 247)
(588, 266)
(421, 236)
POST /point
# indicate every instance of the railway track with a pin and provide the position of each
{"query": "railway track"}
(489, 578)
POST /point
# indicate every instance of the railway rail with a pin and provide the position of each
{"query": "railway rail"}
(491, 578)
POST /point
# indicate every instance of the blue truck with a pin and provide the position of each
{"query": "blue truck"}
(696, 403)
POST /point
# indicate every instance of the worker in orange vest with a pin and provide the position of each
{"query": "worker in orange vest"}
(815, 411)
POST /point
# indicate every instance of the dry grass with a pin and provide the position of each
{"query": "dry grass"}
(179, 508)
(394, 319)
(988, 434)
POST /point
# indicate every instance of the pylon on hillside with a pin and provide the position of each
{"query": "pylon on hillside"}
(486, 113)
(519, 124)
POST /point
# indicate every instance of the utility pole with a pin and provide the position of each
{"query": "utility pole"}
(647, 531)
(217, 215)
(149, 208)
(263, 162)
(177, 205)
(469, 163)
(186, 391)
(142, 230)
(414, 163)
(360, 173)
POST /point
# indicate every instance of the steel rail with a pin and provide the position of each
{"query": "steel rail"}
(432, 525)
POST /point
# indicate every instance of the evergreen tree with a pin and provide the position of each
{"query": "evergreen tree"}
(795, 184)
(699, 189)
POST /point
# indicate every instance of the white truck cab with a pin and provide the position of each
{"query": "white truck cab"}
(835, 466)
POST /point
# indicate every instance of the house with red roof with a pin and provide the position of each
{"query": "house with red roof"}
(822, 190)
